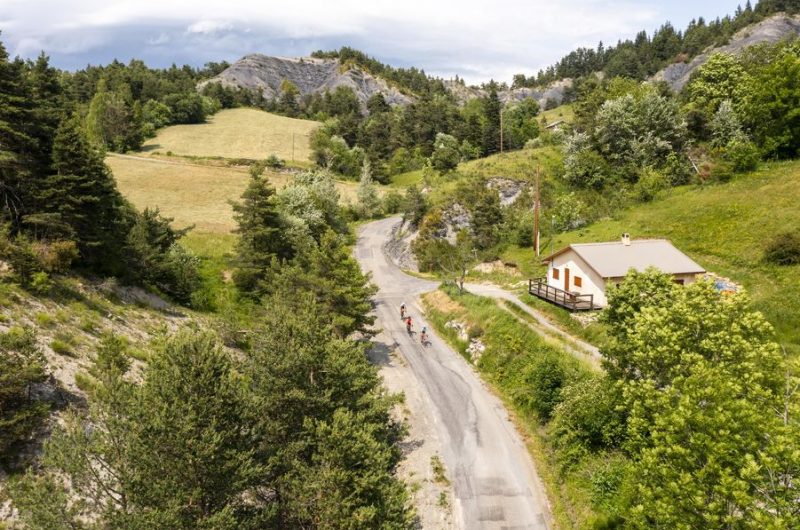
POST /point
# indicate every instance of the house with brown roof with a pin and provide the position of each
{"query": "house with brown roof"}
(579, 274)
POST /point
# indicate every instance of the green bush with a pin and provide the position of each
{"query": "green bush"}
(651, 182)
(41, 282)
(85, 382)
(721, 171)
(587, 419)
(274, 162)
(742, 154)
(44, 319)
(61, 347)
(392, 202)
(784, 249)
(21, 365)
(545, 377)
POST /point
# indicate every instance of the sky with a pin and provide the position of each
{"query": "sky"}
(476, 40)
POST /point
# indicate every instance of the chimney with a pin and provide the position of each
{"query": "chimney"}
(626, 239)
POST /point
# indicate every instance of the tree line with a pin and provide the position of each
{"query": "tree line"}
(645, 55)
(61, 205)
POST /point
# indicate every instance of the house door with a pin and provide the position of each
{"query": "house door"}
(566, 279)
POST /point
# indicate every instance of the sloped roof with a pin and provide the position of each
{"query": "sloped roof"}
(614, 259)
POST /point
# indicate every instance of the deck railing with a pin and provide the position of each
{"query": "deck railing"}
(572, 301)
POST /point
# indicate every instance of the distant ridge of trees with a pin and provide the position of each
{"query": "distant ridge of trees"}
(645, 54)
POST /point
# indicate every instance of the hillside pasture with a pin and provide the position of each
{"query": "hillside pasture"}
(193, 194)
(238, 133)
(726, 228)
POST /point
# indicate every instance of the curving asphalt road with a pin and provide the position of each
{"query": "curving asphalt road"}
(494, 481)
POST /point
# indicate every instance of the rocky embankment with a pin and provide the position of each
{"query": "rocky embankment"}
(772, 29)
(310, 75)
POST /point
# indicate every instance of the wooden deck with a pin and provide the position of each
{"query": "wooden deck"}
(571, 301)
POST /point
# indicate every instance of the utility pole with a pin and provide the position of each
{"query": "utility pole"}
(292, 147)
(536, 205)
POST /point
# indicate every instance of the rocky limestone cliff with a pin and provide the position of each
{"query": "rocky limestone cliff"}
(310, 75)
(554, 91)
(771, 30)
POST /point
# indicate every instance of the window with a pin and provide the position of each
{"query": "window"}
(555, 274)
(679, 281)
(576, 280)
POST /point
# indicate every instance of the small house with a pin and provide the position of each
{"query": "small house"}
(579, 274)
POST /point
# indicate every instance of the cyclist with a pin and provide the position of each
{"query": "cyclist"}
(423, 336)
(402, 311)
(409, 326)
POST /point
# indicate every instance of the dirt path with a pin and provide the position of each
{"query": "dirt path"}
(495, 485)
(544, 327)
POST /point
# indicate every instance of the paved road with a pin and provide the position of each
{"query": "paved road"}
(494, 481)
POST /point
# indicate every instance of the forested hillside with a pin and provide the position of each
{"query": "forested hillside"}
(211, 371)
(257, 408)
(651, 441)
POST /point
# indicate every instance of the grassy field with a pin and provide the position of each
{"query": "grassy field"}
(563, 112)
(193, 194)
(725, 228)
(238, 133)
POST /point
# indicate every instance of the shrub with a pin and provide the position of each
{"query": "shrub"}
(41, 283)
(650, 183)
(742, 154)
(544, 378)
(45, 320)
(21, 365)
(677, 168)
(19, 253)
(85, 382)
(61, 347)
(587, 419)
(475, 331)
(784, 249)
(274, 162)
(55, 256)
(392, 202)
(721, 171)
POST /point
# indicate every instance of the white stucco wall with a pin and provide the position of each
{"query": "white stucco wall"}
(591, 282)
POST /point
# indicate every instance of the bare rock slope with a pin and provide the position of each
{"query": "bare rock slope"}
(554, 92)
(310, 75)
(771, 30)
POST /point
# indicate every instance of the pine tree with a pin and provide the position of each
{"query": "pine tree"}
(261, 237)
(491, 124)
(191, 417)
(16, 144)
(84, 195)
(328, 435)
(173, 452)
(47, 96)
(21, 365)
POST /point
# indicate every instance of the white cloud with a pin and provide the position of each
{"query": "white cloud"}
(209, 27)
(482, 39)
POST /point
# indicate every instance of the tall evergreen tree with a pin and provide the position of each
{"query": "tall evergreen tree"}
(83, 193)
(491, 123)
(17, 146)
(48, 100)
(261, 238)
